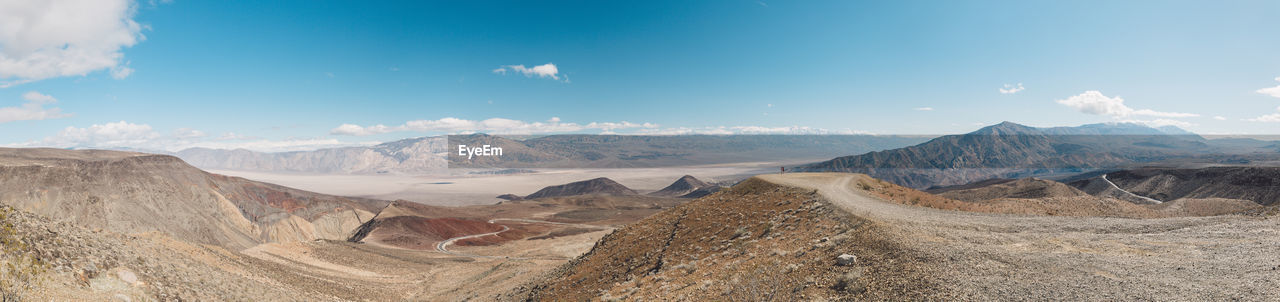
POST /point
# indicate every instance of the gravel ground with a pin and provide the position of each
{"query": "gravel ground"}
(1012, 257)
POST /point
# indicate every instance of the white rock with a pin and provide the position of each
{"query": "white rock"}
(127, 276)
(846, 260)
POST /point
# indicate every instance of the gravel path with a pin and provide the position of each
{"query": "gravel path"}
(443, 246)
(1113, 185)
(1011, 257)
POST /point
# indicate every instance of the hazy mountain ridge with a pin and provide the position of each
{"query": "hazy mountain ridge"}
(433, 155)
(631, 151)
(423, 155)
(1009, 150)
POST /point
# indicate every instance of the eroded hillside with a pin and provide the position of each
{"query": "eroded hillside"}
(129, 193)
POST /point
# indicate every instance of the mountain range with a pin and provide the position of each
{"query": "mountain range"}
(415, 156)
(1010, 150)
(434, 155)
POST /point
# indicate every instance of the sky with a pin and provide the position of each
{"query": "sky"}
(299, 75)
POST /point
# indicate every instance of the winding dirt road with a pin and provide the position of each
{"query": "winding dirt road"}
(443, 246)
(984, 256)
(1113, 185)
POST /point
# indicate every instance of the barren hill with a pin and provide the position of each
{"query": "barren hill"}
(1021, 188)
(700, 192)
(596, 186)
(90, 265)
(781, 237)
(756, 241)
(129, 193)
(1257, 184)
(685, 185)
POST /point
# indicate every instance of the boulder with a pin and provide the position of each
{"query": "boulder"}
(846, 260)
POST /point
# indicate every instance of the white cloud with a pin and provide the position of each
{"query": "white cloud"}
(232, 136)
(923, 109)
(124, 134)
(265, 145)
(184, 133)
(57, 38)
(1271, 91)
(1011, 89)
(492, 126)
(451, 125)
(1269, 118)
(109, 135)
(1160, 123)
(548, 70)
(1219, 117)
(748, 130)
(1094, 102)
(121, 72)
(32, 110)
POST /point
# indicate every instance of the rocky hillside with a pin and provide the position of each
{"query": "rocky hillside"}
(130, 193)
(700, 192)
(685, 185)
(1009, 150)
(79, 264)
(1021, 188)
(1256, 184)
(596, 186)
(755, 242)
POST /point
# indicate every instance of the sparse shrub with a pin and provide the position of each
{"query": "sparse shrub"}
(864, 186)
(849, 282)
(762, 284)
(687, 267)
(20, 270)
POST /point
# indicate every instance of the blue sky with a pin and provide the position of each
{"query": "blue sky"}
(286, 75)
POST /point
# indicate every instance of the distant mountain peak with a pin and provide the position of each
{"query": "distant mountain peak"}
(1006, 128)
(682, 186)
(595, 186)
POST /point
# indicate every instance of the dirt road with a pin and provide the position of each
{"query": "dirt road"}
(1003, 257)
(443, 246)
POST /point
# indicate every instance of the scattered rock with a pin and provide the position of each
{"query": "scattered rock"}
(127, 276)
(846, 260)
